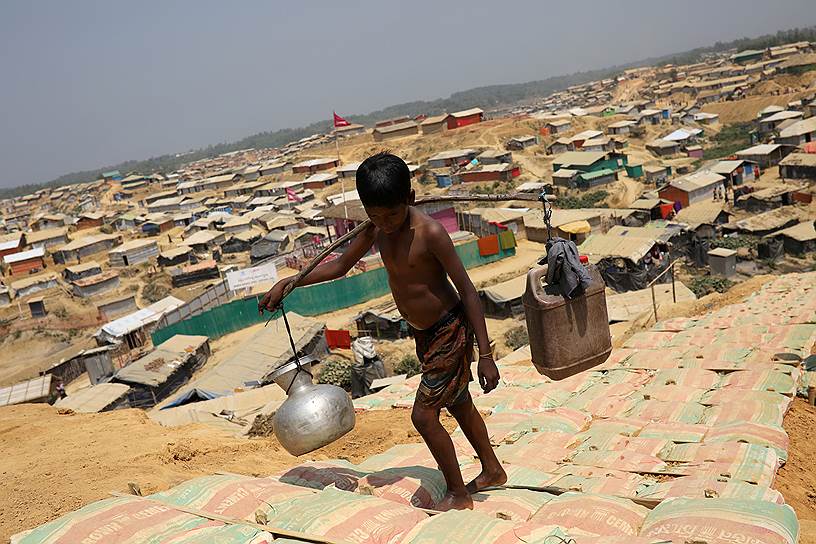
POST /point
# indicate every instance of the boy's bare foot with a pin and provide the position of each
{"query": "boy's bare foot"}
(453, 501)
(487, 478)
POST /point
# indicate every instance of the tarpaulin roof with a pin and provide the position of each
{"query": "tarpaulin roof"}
(157, 366)
(95, 398)
(265, 351)
(131, 322)
(506, 291)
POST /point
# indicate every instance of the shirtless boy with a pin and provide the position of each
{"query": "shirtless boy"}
(419, 257)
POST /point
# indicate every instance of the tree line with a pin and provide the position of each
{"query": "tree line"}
(489, 96)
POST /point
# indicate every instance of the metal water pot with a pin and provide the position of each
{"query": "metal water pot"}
(312, 415)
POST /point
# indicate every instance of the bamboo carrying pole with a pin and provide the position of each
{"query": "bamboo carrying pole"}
(297, 278)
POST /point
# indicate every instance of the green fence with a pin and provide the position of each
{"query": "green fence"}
(310, 300)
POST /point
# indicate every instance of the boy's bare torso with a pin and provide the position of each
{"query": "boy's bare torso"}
(418, 281)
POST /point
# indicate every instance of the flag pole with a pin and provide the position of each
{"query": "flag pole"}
(342, 178)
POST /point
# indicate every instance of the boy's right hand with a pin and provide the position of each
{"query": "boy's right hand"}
(272, 299)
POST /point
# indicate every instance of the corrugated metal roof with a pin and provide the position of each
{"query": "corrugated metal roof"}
(761, 149)
(466, 113)
(133, 244)
(28, 391)
(46, 234)
(396, 127)
(434, 119)
(24, 255)
(799, 128)
(87, 241)
(452, 154)
(697, 180)
(782, 116)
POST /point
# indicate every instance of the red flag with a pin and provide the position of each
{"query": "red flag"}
(339, 121)
(291, 195)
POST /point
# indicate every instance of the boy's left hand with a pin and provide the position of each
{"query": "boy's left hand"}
(488, 374)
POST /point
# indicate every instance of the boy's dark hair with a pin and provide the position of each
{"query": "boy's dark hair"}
(383, 180)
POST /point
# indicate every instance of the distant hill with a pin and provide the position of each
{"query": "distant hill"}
(490, 96)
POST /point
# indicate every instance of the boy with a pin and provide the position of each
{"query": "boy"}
(419, 257)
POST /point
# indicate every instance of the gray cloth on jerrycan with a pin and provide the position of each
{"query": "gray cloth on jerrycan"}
(564, 268)
(367, 367)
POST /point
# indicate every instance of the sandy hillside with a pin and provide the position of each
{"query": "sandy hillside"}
(64, 461)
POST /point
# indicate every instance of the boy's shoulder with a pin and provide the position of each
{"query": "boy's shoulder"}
(426, 225)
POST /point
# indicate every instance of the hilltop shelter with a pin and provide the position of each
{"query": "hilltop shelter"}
(521, 142)
(90, 220)
(434, 124)
(491, 172)
(36, 390)
(663, 148)
(798, 239)
(736, 172)
(798, 166)
(348, 170)
(111, 309)
(25, 262)
(95, 285)
(82, 247)
(692, 188)
(559, 146)
(494, 156)
(452, 157)
(96, 362)
(33, 284)
(315, 165)
(395, 131)
(102, 397)
(621, 127)
(133, 329)
(12, 244)
(800, 132)
(46, 238)
(557, 126)
(383, 322)
(175, 256)
(205, 240)
(265, 351)
(161, 372)
(321, 180)
(765, 155)
(588, 161)
(503, 300)
(704, 218)
(464, 118)
(133, 252)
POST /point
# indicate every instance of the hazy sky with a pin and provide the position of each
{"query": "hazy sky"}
(85, 84)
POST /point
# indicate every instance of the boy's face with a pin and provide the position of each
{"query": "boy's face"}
(389, 219)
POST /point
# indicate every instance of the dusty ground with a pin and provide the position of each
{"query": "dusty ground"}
(62, 462)
(797, 479)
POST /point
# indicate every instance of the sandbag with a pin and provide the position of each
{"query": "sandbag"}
(595, 514)
(347, 516)
(722, 521)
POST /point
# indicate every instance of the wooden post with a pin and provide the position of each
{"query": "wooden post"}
(674, 291)
(654, 302)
